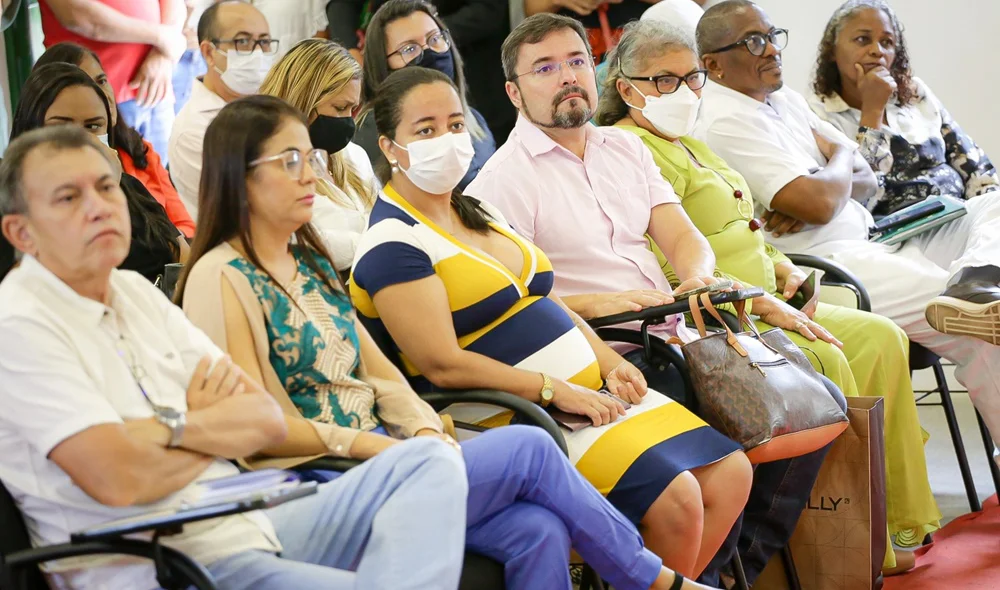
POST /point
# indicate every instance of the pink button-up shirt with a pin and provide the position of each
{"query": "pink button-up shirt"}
(590, 217)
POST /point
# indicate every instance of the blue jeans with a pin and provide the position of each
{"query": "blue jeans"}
(153, 123)
(191, 65)
(396, 521)
(778, 495)
(526, 506)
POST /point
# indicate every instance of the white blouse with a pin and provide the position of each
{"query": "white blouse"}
(341, 222)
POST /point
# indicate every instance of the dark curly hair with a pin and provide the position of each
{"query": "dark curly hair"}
(827, 79)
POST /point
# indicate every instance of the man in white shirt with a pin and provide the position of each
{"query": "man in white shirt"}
(808, 178)
(112, 408)
(235, 41)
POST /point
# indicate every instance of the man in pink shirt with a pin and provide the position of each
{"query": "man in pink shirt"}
(558, 175)
(587, 196)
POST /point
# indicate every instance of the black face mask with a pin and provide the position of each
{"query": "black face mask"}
(331, 133)
(441, 62)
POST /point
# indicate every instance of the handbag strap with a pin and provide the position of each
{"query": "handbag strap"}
(699, 320)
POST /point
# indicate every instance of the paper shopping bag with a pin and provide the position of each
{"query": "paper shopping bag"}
(841, 538)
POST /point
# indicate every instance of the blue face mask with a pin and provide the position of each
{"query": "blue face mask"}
(441, 62)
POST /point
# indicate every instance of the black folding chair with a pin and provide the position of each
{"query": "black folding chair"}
(836, 275)
(19, 561)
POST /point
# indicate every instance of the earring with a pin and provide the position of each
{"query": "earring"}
(394, 165)
(721, 75)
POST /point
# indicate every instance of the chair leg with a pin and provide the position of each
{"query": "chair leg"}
(989, 445)
(790, 571)
(956, 438)
(739, 575)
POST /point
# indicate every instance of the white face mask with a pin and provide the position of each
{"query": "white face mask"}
(103, 139)
(245, 73)
(673, 115)
(437, 165)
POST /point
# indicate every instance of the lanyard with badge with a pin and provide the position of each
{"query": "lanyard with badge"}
(165, 415)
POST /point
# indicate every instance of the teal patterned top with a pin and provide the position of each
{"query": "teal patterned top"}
(314, 347)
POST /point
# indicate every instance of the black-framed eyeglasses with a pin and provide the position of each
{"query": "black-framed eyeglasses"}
(246, 45)
(549, 68)
(669, 83)
(294, 162)
(437, 42)
(756, 43)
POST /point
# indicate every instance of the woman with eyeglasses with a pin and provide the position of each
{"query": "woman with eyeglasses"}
(261, 285)
(864, 86)
(468, 304)
(63, 94)
(137, 156)
(408, 33)
(653, 90)
(321, 79)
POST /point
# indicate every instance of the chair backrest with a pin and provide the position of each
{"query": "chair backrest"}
(14, 537)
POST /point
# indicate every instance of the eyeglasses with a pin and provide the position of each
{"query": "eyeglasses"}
(669, 83)
(756, 44)
(293, 162)
(438, 42)
(544, 70)
(246, 45)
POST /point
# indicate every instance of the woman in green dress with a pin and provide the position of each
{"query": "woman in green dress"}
(653, 89)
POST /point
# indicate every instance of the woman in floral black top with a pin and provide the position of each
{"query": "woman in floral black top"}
(864, 87)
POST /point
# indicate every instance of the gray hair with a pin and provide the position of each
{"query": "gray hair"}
(59, 137)
(532, 30)
(640, 42)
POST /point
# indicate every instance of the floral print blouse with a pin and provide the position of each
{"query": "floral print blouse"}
(921, 152)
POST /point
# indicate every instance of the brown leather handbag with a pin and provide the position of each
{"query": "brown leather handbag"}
(759, 389)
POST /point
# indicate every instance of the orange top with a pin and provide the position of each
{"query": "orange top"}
(157, 182)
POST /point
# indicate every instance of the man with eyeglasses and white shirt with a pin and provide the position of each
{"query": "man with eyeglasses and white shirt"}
(942, 287)
(115, 405)
(235, 41)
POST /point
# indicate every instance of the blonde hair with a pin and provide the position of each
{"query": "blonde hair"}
(308, 74)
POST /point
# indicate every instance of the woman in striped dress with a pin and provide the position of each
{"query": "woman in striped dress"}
(468, 303)
(262, 286)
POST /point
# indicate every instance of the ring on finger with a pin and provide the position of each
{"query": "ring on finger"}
(800, 324)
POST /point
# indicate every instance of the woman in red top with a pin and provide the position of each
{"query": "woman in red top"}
(138, 157)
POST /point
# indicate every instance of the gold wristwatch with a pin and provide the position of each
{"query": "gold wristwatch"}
(548, 391)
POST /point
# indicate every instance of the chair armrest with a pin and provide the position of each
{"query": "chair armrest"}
(833, 273)
(182, 568)
(340, 464)
(531, 413)
(662, 311)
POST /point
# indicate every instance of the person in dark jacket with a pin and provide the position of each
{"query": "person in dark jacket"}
(477, 28)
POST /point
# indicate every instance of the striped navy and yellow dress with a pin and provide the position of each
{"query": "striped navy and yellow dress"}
(511, 319)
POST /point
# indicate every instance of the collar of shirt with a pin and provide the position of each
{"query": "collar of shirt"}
(714, 90)
(67, 300)
(537, 142)
(833, 103)
(204, 100)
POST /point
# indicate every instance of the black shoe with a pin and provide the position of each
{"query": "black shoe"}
(969, 306)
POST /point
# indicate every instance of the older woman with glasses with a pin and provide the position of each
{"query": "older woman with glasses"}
(408, 33)
(654, 90)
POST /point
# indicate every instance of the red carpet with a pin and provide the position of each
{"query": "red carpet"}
(965, 555)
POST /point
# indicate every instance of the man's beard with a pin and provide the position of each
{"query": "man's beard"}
(575, 118)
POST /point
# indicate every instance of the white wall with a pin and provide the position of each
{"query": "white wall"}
(953, 47)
